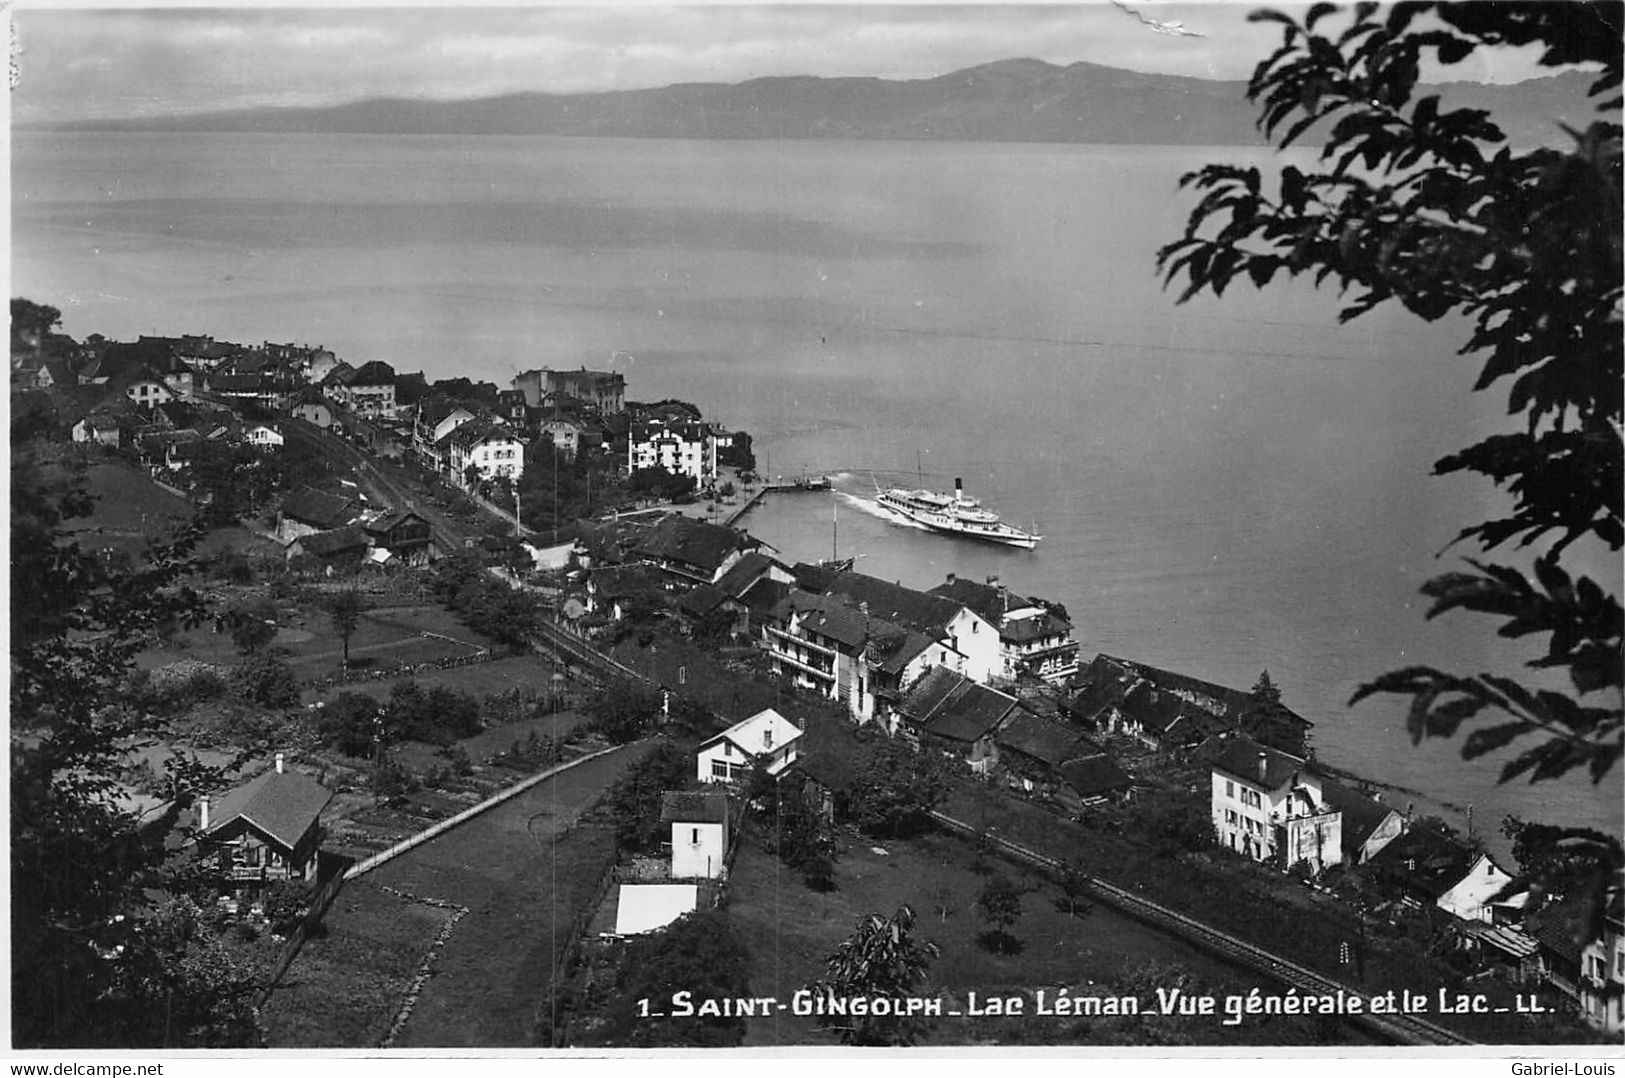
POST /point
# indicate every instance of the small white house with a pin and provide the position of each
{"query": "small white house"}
(1469, 897)
(699, 832)
(766, 737)
(264, 436)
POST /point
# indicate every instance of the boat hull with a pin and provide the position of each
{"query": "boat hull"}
(943, 514)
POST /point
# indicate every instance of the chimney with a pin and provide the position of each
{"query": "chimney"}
(767, 738)
(279, 763)
(203, 814)
(951, 578)
(993, 580)
(1263, 766)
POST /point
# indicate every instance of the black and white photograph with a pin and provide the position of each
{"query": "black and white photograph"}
(576, 531)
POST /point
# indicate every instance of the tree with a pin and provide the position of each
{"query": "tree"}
(352, 724)
(345, 610)
(798, 836)
(252, 625)
(1074, 890)
(94, 962)
(623, 710)
(738, 454)
(880, 960)
(1568, 862)
(1430, 207)
(896, 788)
(701, 954)
(1266, 720)
(634, 801)
(1000, 906)
(265, 680)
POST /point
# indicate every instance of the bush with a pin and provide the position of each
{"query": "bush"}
(285, 904)
(265, 680)
(352, 724)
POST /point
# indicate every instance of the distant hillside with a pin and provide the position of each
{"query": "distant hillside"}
(1008, 101)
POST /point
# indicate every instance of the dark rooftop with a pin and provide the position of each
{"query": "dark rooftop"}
(694, 806)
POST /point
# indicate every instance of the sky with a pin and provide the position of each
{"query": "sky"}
(78, 62)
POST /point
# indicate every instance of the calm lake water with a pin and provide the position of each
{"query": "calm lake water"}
(1223, 487)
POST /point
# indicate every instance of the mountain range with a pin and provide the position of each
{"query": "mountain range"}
(1007, 101)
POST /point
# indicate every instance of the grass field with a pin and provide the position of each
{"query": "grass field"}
(791, 930)
(346, 986)
(485, 679)
(307, 641)
(524, 869)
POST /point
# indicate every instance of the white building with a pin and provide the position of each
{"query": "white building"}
(487, 446)
(766, 737)
(263, 436)
(970, 639)
(1033, 639)
(1270, 806)
(148, 391)
(699, 832)
(685, 448)
(830, 644)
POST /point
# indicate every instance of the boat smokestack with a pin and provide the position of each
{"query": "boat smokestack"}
(959, 489)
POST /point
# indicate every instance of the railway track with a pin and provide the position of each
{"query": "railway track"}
(1403, 1029)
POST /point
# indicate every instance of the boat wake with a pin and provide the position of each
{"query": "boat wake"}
(875, 509)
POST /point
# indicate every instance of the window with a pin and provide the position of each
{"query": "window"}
(719, 770)
(694, 837)
(1229, 788)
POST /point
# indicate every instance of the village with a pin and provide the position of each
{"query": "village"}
(453, 620)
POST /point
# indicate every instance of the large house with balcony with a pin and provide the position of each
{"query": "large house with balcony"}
(484, 447)
(972, 639)
(766, 738)
(264, 831)
(836, 646)
(1582, 954)
(368, 390)
(1270, 806)
(684, 447)
(1033, 639)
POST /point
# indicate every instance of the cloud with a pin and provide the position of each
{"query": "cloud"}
(118, 62)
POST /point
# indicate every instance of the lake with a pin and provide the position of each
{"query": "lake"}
(1224, 486)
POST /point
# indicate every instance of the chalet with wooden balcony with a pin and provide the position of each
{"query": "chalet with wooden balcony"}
(407, 536)
(266, 830)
